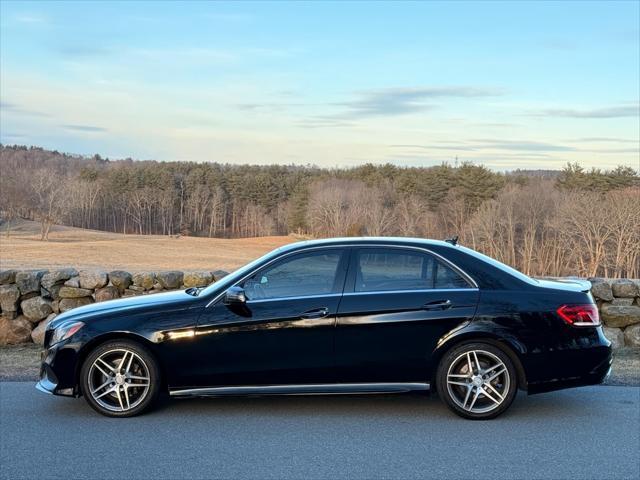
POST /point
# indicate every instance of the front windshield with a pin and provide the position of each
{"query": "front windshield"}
(227, 281)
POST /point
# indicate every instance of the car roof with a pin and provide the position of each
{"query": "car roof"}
(479, 267)
(347, 241)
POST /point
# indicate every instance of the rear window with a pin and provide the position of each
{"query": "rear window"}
(499, 265)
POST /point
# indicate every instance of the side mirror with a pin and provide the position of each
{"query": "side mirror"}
(235, 296)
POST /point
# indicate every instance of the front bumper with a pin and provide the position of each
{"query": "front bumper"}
(58, 371)
(45, 386)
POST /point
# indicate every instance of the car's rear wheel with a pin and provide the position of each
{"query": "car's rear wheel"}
(477, 381)
(120, 379)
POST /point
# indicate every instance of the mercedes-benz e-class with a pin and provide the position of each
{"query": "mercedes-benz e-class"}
(358, 315)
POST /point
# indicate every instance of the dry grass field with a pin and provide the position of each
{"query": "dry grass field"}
(80, 248)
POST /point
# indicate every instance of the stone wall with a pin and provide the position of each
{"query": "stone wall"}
(30, 299)
(619, 305)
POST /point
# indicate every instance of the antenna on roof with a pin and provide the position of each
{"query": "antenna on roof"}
(452, 240)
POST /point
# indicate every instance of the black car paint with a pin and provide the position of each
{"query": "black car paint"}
(201, 342)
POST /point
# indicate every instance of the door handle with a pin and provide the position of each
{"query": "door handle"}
(316, 313)
(437, 305)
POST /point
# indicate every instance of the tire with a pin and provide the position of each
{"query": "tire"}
(120, 378)
(484, 393)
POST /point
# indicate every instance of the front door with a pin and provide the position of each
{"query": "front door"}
(397, 303)
(284, 332)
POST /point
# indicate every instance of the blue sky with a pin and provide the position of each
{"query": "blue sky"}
(505, 84)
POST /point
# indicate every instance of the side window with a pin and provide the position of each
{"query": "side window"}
(299, 275)
(448, 278)
(379, 269)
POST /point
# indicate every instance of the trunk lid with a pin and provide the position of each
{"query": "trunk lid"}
(565, 284)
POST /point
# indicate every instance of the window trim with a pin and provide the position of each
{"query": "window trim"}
(343, 263)
(350, 286)
(296, 297)
(338, 278)
(417, 290)
(348, 254)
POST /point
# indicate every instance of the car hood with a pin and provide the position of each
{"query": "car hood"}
(129, 303)
(570, 284)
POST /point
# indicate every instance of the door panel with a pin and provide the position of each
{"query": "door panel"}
(387, 336)
(271, 341)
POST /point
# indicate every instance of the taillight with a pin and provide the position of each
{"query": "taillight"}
(584, 315)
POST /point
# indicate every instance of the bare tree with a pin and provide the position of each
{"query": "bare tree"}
(515, 227)
(339, 207)
(217, 212)
(377, 209)
(454, 212)
(329, 207)
(49, 189)
(624, 230)
(585, 224)
(12, 197)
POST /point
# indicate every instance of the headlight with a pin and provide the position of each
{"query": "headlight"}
(64, 331)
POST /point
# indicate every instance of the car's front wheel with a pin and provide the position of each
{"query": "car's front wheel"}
(120, 379)
(477, 381)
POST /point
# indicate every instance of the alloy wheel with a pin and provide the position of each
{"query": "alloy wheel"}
(478, 381)
(119, 380)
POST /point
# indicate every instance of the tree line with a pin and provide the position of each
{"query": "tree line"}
(571, 222)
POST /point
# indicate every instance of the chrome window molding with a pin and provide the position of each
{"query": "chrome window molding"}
(467, 277)
(417, 290)
(294, 297)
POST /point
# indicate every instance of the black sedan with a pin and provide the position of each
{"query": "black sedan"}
(368, 315)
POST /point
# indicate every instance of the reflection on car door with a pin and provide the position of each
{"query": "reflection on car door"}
(397, 303)
(285, 334)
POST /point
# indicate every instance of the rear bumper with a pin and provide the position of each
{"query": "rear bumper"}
(594, 372)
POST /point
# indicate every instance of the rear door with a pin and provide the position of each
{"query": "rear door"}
(398, 302)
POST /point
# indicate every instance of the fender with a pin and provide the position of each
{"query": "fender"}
(488, 332)
(115, 335)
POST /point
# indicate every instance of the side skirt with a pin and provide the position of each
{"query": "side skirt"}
(316, 389)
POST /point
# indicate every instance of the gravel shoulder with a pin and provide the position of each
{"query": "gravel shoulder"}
(626, 367)
(22, 363)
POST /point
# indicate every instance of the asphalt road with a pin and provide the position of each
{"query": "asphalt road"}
(589, 432)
